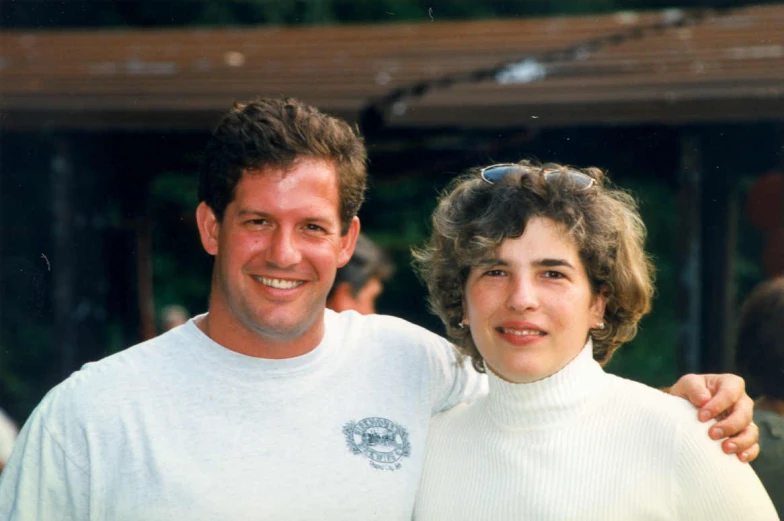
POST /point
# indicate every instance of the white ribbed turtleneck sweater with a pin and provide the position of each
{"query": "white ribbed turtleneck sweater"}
(582, 444)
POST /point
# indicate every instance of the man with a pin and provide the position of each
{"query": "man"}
(268, 406)
(360, 282)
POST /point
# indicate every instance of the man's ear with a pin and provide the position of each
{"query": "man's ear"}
(348, 242)
(209, 228)
(342, 297)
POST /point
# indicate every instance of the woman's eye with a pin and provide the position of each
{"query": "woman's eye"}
(495, 273)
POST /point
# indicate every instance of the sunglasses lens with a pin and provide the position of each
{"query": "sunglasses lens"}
(575, 180)
(495, 173)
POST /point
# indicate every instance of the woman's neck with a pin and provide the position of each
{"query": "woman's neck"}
(549, 401)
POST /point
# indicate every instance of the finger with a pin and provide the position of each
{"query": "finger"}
(729, 389)
(692, 387)
(738, 419)
(750, 455)
(743, 441)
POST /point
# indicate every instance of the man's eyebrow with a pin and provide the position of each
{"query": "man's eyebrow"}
(553, 263)
(244, 212)
(319, 219)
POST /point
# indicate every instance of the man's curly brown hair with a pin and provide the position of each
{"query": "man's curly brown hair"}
(275, 132)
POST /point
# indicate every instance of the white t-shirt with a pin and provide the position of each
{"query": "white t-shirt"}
(180, 428)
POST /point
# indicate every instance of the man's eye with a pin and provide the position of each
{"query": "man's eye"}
(315, 228)
(550, 274)
(257, 222)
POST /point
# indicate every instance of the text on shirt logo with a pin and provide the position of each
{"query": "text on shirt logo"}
(380, 440)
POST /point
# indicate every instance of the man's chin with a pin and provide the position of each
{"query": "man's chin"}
(283, 329)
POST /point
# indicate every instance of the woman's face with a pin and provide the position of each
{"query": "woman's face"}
(530, 306)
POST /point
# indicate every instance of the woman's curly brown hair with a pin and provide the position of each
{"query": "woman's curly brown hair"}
(474, 217)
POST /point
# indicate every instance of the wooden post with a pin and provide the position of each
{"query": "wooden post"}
(706, 245)
(63, 269)
(689, 303)
(144, 274)
(719, 230)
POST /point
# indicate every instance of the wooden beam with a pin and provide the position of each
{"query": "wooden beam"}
(63, 267)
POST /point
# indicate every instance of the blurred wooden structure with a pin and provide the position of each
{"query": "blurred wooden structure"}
(727, 68)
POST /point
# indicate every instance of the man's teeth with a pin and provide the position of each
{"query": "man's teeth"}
(279, 283)
(521, 332)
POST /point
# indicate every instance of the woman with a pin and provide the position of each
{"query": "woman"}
(539, 275)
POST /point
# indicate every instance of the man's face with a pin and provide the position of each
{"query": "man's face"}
(276, 254)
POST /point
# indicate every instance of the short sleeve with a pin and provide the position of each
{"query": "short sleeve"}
(453, 378)
(40, 481)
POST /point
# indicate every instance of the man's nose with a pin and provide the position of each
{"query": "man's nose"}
(284, 249)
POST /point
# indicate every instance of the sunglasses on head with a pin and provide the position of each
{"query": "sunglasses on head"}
(576, 180)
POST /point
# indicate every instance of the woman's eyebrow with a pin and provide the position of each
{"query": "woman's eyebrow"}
(491, 261)
(553, 263)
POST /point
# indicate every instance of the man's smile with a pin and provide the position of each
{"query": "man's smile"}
(279, 283)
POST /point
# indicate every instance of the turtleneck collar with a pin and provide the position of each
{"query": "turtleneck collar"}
(549, 401)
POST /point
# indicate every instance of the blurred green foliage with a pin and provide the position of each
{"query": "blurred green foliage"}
(169, 13)
(181, 269)
(398, 208)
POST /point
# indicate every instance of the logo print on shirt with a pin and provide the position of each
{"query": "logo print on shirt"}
(380, 440)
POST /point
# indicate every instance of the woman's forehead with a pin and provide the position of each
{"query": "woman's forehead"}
(541, 233)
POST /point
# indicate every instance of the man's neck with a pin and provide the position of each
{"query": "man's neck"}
(234, 336)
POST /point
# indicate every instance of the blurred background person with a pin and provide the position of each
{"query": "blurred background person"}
(760, 355)
(8, 432)
(173, 315)
(359, 283)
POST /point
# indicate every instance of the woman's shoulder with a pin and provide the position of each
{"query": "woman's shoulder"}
(659, 411)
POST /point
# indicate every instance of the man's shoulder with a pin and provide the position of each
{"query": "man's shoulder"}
(116, 379)
(463, 417)
(385, 329)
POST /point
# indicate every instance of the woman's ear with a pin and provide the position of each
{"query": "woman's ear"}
(599, 304)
